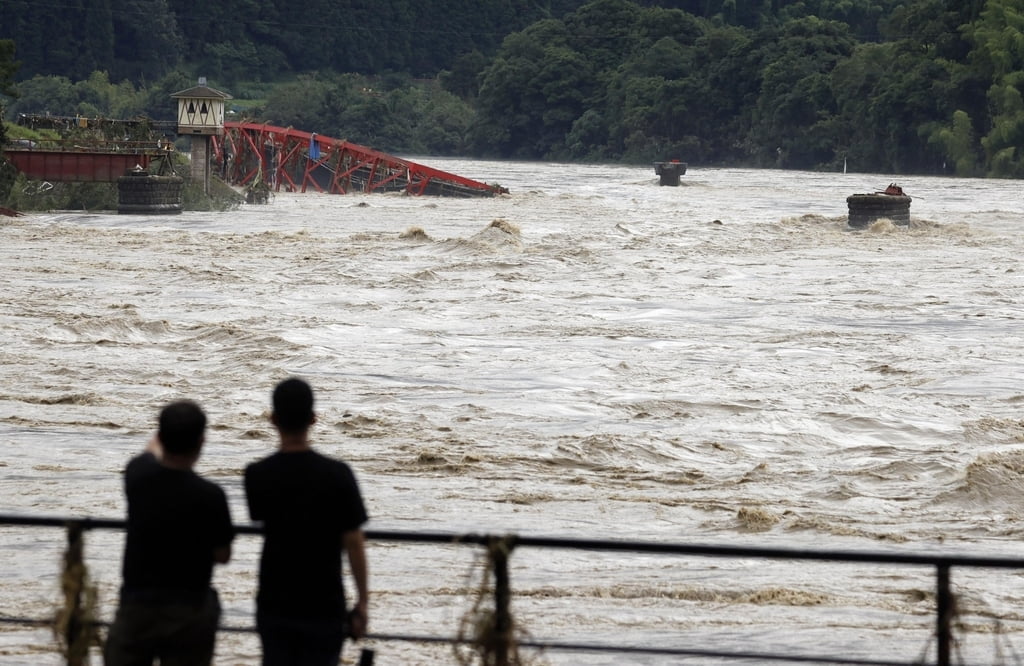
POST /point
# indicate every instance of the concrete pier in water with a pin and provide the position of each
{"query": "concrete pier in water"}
(891, 204)
(670, 172)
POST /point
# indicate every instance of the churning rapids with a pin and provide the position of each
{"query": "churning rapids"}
(591, 356)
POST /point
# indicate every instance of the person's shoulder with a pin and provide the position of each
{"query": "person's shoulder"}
(206, 482)
(144, 458)
(142, 463)
(339, 470)
(212, 492)
(331, 461)
(257, 465)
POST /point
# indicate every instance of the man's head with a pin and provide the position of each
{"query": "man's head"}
(293, 406)
(181, 428)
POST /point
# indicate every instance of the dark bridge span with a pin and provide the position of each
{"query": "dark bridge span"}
(99, 165)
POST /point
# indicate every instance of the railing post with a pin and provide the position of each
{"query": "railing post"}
(499, 551)
(945, 610)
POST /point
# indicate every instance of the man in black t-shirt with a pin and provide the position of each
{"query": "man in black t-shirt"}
(311, 511)
(179, 524)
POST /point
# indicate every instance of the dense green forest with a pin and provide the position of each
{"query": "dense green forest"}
(924, 86)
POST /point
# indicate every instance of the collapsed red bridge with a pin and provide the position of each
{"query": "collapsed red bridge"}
(252, 153)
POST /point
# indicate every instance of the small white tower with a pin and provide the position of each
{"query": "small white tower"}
(201, 115)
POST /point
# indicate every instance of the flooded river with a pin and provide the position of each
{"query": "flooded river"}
(591, 356)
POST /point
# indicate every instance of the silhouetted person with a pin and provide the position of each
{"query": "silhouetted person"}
(179, 525)
(312, 511)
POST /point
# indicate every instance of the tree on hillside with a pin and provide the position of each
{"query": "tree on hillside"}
(998, 40)
(514, 116)
(650, 102)
(957, 142)
(68, 38)
(790, 118)
(729, 69)
(148, 42)
(8, 67)
(463, 79)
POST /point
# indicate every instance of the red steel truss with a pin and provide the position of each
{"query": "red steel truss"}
(297, 161)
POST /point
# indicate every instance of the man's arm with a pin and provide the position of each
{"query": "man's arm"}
(355, 547)
(251, 495)
(224, 529)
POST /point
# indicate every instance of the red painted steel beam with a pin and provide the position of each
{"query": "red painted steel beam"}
(287, 158)
(75, 167)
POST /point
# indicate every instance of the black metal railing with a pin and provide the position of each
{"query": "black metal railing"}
(498, 647)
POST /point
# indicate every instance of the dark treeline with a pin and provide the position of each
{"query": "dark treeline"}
(245, 40)
(926, 86)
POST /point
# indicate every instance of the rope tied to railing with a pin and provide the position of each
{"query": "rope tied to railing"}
(75, 622)
(492, 632)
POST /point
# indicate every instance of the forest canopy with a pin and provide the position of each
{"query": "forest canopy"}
(926, 86)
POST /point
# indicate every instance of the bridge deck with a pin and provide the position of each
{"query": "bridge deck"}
(80, 166)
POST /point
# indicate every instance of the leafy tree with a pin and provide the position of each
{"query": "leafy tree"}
(854, 83)
(442, 124)
(998, 40)
(155, 101)
(36, 26)
(795, 94)
(514, 117)
(463, 79)
(588, 137)
(658, 23)
(8, 67)
(604, 31)
(147, 41)
(729, 68)
(957, 142)
(890, 97)
(1003, 144)
(931, 25)
(306, 103)
(649, 100)
(52, 95)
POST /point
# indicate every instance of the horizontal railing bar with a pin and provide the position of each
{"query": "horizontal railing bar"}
(553, 645)
(875, 557)
(685, 652)
(630, 649)
(29, 621)
(56, 521)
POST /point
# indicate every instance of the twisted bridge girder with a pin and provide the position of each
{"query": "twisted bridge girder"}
(297, 161)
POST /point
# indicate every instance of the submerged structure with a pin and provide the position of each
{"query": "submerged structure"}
(297, 161)
(669, 172)
(139, 191)
(891, 204)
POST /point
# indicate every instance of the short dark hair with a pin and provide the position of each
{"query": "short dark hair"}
(181, 428)
(293, 405)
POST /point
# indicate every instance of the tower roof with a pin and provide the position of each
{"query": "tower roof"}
(202, 92)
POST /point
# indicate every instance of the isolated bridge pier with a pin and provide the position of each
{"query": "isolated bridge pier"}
(891, 204)
(139, 191)
(670, 172)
